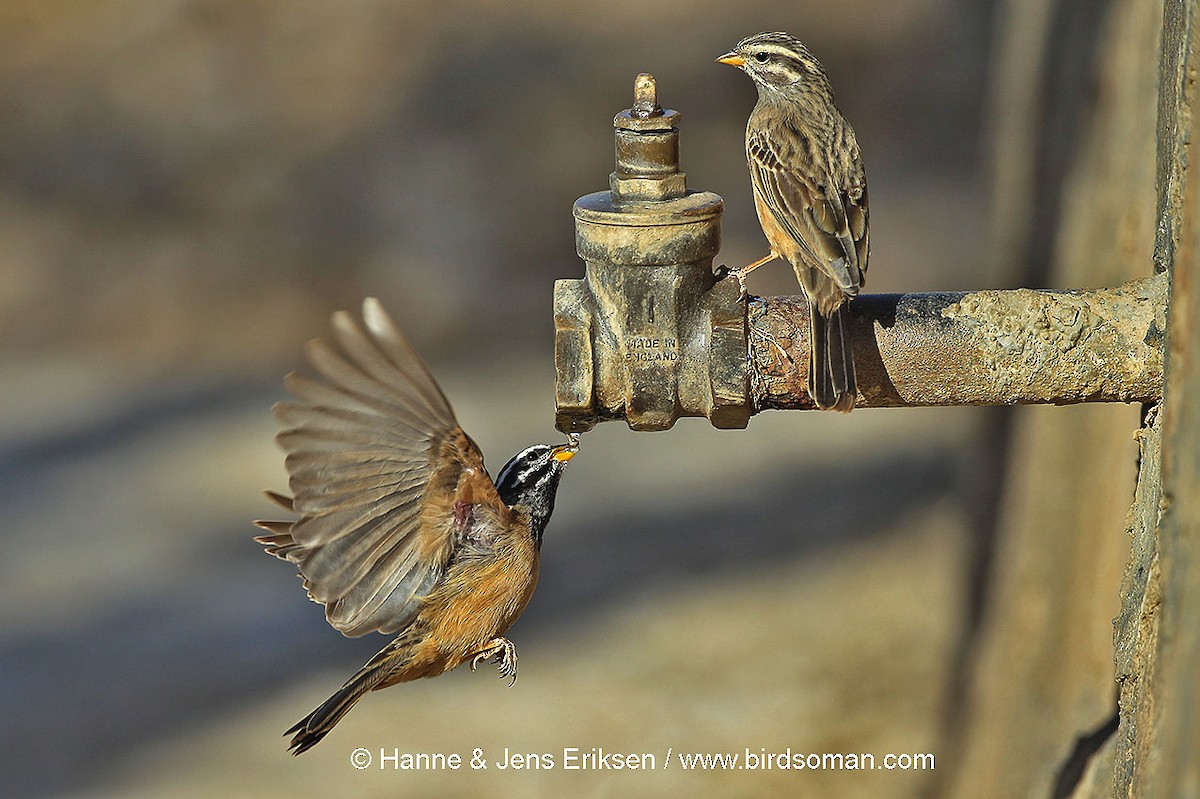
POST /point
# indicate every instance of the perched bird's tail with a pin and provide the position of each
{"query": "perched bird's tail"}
(831, 380)
(309, 731)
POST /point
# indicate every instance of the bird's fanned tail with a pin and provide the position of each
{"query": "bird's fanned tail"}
(831, 369)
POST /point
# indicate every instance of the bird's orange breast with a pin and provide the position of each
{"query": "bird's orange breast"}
(479, 598)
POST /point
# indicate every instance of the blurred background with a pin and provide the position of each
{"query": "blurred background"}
(189, 188)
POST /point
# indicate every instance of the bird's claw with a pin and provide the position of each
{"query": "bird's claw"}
(503, 653)
(724, 271)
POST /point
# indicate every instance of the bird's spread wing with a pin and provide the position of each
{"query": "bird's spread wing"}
(385, 482)
(826, 216)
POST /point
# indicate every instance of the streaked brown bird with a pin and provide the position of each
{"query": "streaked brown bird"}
(810, 191)
(401, 529)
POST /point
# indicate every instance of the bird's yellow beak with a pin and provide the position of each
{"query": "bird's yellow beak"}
(732, 59)
(564, 452)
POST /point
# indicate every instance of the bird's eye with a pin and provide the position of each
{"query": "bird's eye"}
(761, 57)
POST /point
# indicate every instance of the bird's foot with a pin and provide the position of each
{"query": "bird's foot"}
(740, 274)
(724, 271)
(503, 653)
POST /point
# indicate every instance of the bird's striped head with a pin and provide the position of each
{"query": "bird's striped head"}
(529, 481)
(776, 61)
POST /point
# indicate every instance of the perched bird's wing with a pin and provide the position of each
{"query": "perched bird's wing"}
(825, 214)
(385, 482)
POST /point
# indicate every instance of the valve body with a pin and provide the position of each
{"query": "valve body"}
(649, 334)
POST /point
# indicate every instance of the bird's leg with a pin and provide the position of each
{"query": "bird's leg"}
(740, 274)
(748, 268)
(503, 653)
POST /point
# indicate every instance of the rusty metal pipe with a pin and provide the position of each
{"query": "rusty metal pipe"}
(974, 348)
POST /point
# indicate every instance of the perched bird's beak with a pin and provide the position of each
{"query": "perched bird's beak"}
(732, 59)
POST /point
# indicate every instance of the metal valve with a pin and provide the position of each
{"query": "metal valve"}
(649, 334)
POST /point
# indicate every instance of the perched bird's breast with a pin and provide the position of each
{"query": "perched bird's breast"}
(791, 140)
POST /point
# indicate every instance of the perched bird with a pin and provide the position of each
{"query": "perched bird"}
(810, 191)
(400, 528)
